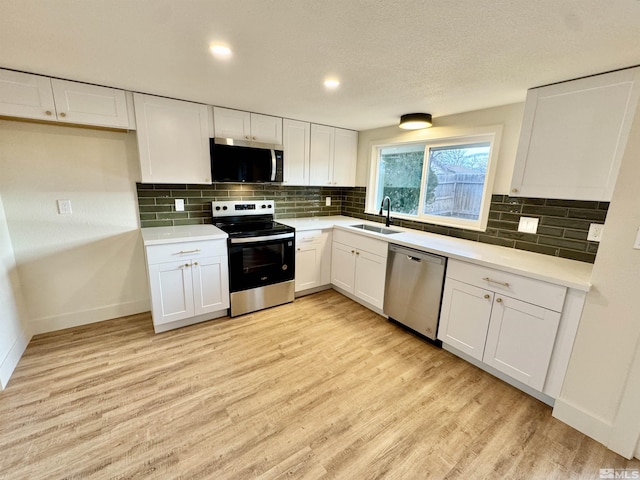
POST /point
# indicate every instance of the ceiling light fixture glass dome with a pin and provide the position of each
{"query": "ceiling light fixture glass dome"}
(415, 121)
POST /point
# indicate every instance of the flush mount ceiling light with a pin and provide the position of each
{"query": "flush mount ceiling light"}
(331, 83)
(414, 121)
(220, 51)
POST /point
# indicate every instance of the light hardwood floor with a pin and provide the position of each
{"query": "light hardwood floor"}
(321, 388)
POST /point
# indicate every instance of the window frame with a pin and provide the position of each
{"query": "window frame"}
(433, 138)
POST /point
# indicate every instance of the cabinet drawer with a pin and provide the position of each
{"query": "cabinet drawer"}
(308, 237)
(171, 252)
(526, 289)
(361, 242)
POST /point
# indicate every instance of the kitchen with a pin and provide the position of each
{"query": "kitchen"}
(97, 259)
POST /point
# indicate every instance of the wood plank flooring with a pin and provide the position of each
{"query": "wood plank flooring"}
(321, 388)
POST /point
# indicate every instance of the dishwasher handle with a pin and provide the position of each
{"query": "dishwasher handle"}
(416, 255)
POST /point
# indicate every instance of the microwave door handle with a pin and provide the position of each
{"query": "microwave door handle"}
(273, 165)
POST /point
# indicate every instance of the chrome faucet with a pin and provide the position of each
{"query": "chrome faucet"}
(388, 200)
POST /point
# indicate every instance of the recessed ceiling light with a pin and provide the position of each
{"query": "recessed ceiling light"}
(331, 83)
(220, 51)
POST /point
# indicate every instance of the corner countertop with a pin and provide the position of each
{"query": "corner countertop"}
(181, 233)
(561, 271)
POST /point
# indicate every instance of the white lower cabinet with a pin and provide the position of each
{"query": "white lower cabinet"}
(188, 281)
(506, 321)
(313, 259)
(359, 266)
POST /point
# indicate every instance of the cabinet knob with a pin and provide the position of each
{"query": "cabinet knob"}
(253, 138)
(187, 265)
(499, 300)
(48, 112)
(299, 249)
(196, 263)
(514, 190)
(357, 253)
(246, 137)
(62, 114)
(353, 251)
(487, 296)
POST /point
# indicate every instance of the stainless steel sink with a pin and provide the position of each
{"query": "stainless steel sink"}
(376, 229)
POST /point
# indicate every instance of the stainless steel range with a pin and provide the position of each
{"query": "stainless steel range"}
(261, 255)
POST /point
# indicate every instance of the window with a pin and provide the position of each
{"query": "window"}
(445, 181)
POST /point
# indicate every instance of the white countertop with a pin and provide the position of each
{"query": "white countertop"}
(181, 233)
(562, 271)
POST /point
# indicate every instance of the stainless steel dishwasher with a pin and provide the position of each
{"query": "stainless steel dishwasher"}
(413, 291)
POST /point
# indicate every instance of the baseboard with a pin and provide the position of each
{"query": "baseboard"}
(10, 362)
(583, 421)
(84, 317)
(165, 327)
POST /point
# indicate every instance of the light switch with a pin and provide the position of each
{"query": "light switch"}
(64, 207)
(179, 205)
(528, 224)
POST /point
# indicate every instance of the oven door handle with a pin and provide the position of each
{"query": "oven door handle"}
(264, 238)
(273, 165)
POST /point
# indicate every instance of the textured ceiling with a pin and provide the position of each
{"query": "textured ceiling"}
(393, 57)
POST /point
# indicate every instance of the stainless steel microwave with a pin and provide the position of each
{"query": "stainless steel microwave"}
(243, 161)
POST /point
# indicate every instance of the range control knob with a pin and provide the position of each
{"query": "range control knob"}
(217, 208)
(224, 208)
(269, 206)
(264, 206)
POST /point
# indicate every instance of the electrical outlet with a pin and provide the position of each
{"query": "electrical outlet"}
(636, 244)
(179, 205)
(528, 224)
(595, 232)
(64, 207)
(327, 201)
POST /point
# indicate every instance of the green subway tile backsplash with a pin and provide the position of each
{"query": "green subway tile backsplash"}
(562, 229)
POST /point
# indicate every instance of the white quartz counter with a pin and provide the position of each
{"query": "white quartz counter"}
(181, 233)
(570, 273)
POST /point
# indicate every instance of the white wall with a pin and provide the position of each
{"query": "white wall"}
(601, 392)
(88, 266)
(509, 116)
(13, 335)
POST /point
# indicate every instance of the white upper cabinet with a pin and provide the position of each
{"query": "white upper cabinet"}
(266, 129)
(27, 96)
(296, 138)
(241, 125)
(229, 123)
(173, 140)
(333, 156)
(43, 98)
(90, 104)
(573, 137)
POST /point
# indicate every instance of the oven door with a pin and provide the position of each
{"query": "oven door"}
(259, 261)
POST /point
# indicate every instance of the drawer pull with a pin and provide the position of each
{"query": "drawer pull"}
(487, 279)
(182, 252)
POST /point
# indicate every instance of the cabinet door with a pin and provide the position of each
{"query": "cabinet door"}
(344, 157)
(520, 340)
(25, 95)
(90, 104)
(171, 291)
(573, 137)
(464, 318)
(229, 123)
(173, 140)
(371, 271)
(321, 155)
(343, 266)
(308, 262)
(296, 138)
(210, 284)
(266, 129)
